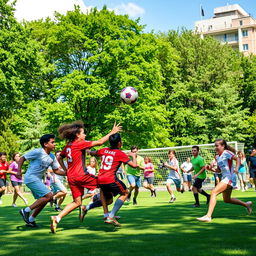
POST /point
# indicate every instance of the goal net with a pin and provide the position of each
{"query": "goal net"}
(160, 155)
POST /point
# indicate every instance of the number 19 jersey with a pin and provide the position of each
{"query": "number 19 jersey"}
(75, 153)
(111, 159)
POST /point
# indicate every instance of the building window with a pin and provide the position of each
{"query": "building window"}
(245, 33)
(241, 23)
(245, 47)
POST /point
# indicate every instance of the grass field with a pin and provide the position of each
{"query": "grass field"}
(153, 227)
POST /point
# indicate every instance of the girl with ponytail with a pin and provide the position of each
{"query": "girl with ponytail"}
(225, 157)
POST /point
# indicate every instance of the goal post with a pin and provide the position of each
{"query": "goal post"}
(160, 155)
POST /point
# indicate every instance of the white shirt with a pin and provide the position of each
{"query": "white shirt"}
(187, 166)
(174, 174)
(40, 161)
(91, 170)
(225, 163)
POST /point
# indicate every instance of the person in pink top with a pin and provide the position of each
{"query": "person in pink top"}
(149, 176)
(16, 180)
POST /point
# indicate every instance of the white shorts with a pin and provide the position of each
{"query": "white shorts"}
(227, 180)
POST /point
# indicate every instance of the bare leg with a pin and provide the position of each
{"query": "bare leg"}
(41, 201)
(227, 199)
(136, 192)
(104, 203)
(14, 197)
(169, 189)
(39, 204)
(18, 193)
(218, 189)
(61, 200)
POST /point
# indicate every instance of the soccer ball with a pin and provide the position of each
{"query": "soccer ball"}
(129, 95)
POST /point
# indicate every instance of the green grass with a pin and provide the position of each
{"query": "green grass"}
(153, 227)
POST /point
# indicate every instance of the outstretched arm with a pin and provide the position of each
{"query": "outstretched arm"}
(116, 128)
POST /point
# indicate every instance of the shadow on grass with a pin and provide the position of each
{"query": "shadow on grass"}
(154, 228)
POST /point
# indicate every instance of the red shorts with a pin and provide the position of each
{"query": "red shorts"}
(77, 184)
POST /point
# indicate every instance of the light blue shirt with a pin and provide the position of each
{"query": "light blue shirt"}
(40, 161)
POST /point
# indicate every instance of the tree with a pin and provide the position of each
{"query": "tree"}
(204, 101)
(95, 56)
(22, 66)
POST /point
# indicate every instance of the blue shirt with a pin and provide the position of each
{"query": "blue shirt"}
(242, 167)
(40, 161)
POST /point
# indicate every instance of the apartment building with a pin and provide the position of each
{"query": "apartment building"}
(231, 25)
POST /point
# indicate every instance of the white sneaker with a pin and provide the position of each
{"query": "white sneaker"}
(1, 202)
(243, 190)
(205, 219)
(14, 205)
(249, 207)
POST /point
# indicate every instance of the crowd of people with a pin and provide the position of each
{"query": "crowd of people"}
(48, 175)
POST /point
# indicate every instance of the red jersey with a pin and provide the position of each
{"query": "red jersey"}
(75, 153)
(111, 159)
(3, 166)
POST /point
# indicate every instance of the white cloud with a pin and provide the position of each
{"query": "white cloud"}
(132, 9)
(37, 9)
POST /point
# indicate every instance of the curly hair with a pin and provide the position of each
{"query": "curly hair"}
(69, 131)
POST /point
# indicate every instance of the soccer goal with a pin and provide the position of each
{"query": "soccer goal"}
(160, 155)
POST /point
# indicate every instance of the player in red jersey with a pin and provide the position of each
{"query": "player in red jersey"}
(78, 177)
(4, 166)
(110, 185)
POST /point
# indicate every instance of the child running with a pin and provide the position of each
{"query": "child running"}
(149, 176)
(4, 166)
(40, 160)
(174, 175)
(111, 159)
(78, 177)
(224, 158)
(16, 180)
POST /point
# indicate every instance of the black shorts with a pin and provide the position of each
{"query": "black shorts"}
(2, 183)
(198, 183)
(253, 173)
(113, 189)
(16, 183)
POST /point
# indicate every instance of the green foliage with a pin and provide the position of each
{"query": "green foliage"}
(204, 102)
(191, 90)
(9, 142)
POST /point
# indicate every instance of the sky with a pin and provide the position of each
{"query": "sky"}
(157, 15)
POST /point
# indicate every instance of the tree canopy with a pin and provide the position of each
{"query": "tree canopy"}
(191, 90)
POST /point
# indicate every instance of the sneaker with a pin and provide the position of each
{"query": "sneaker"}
(25, 215)
(82, 212)
(112, 221)
(128, 198)
(173, 199)
(1, 202)
(249, 207)
(134, 201)
(32, 224)
(208, 200)
(182, 190)
(116, 217)
(242, 190)
(205, 219)
(154, 192)
(14, 205)
(190, 190)
(195, 205)
(58, 209)
(54, 224)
